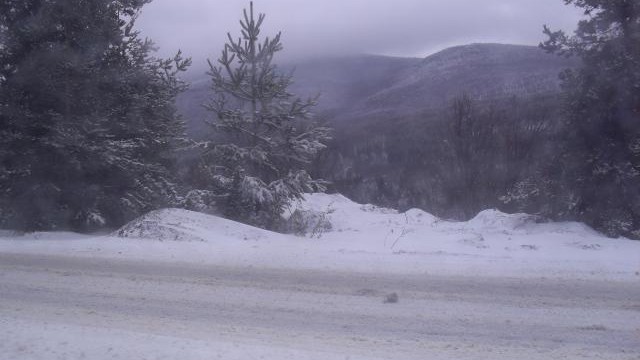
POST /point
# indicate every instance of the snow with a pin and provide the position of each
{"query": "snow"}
(101, 343)
(178, 310)
(185, 225)
(363, 238)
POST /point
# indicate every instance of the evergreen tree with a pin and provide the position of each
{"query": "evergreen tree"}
(265, 138)
(601, 157)
(88, 124)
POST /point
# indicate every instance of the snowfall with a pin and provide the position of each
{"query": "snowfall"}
(361, 239)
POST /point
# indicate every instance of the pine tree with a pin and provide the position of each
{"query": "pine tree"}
(267, 135)
(88, 124)
(601, 157)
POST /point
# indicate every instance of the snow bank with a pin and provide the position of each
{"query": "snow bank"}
(499, 221)
(185, 225)
(346, 215)
(361, 238)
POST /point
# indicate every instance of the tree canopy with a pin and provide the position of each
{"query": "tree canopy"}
(88, 124)
(601, 156)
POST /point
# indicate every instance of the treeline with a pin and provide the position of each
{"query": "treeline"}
(452, 162)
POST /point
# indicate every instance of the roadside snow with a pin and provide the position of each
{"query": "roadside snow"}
(363, 238)
(184, 225)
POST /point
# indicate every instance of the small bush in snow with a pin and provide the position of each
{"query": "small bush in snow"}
(199, 200)
(308, 222)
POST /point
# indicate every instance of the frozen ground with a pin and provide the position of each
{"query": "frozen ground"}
(183, 285)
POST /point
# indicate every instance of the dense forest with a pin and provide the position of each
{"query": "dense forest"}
(454, 162)
(95, 130)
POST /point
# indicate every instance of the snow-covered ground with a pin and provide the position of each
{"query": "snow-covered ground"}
(363, 238)
(377, 285)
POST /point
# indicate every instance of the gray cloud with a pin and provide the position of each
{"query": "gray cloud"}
(335, 27)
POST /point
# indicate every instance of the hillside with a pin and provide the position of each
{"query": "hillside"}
(339, 81)
(483, 71)
(367, 86)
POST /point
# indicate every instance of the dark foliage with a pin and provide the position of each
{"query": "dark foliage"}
(600, 156)
(87, 122)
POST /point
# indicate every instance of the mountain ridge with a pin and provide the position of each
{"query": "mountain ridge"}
(357, 87)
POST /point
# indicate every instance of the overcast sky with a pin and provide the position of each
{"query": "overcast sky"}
(336, 27)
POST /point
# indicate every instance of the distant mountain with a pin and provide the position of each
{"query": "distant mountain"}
(339, 81)
(343, 82)
(482, 71)
(354, 89)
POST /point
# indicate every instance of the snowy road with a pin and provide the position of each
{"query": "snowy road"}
(54, 307)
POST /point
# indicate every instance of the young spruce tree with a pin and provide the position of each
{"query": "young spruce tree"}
(268, 139)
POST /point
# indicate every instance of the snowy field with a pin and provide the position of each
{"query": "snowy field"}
(377, 285)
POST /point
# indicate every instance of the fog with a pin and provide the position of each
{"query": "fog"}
(340, 27)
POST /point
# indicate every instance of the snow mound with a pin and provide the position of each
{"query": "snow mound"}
(420, 217)
(342, 235)
(185, 225)
(319, 215)
(499, 221)
(345, 215)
